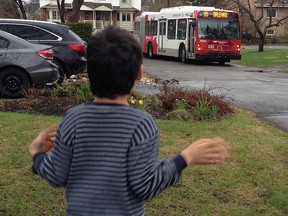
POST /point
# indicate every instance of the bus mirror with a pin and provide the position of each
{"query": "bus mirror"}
(193, 24)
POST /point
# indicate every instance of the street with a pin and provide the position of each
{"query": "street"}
(262, 91)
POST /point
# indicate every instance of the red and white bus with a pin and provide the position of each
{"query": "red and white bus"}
(190, 32)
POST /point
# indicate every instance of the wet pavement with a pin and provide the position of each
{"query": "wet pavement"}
(263, 91)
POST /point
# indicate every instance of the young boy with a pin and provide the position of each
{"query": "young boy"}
(106, 153)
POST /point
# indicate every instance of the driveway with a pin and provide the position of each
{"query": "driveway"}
(262, 91)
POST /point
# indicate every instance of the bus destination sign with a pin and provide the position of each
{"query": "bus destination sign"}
(215, 14)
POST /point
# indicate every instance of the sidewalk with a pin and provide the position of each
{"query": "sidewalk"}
(266, 46)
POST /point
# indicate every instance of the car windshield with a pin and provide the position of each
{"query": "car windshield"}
(218, 29)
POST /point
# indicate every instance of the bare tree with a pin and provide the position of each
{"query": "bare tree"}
(9, 9)
(19, 3)
(259, 19)
(75, 13)
(61, 8)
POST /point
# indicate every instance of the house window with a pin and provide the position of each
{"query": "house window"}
(126, 17)
(118, 17)
(270, 32)
(125, 1)
(271, 12)
(56, 15)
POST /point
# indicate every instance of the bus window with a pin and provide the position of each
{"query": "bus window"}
(147, 26)
(231, 30)
(162, 26)
(182, 26)
(137, 28)
(154, 27)
(171, 29)
(218, 29)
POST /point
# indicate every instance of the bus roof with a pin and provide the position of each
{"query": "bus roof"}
(186, 9)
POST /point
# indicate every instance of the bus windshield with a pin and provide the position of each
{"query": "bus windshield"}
(218, 29)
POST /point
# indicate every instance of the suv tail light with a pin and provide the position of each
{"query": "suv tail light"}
(46, 54)
(80, 48)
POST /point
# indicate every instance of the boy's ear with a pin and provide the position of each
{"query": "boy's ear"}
(140, 72)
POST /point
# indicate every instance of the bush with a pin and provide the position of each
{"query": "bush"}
(172, 102)
(201, 104)
(84, 30)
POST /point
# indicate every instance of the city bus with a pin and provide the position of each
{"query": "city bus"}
(190, 32)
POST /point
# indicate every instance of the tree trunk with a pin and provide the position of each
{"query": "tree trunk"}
(261, 43)
(20, 5)
(61, 8)
(74, 16)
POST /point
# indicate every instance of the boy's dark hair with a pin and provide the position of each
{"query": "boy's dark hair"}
(114, 57)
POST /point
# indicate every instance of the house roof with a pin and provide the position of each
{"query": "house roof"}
(276, 5)
(98, 6)
(52, 6)
(117, 8)
(91, 6)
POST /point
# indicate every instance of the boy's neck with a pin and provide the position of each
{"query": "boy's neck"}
(122, 100)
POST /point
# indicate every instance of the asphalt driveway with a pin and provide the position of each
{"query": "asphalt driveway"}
(263, 91)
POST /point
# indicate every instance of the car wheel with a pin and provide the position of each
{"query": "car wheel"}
(183, 54)
(61, 72)
(13, 82)
(150, 51)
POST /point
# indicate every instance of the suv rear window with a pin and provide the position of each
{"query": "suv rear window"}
(28, 32)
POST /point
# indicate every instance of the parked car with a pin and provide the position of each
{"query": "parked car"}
(24, 64)
(69, 49)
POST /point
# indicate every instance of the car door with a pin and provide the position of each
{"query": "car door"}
(4, 43)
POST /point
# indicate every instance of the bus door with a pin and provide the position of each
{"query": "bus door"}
(191, 37)
(162, 36)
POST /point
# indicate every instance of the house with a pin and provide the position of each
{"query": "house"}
(264, 12)
(100, 13)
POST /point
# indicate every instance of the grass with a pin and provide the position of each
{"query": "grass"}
(253, 182)
(268, 58)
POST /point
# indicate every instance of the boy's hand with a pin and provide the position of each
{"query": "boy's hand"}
(206, 151)
(44, 141)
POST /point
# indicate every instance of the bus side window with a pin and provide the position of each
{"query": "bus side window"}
(147, 27)
(171, 29)
(182, 26)
(154, 27)
(162, 26)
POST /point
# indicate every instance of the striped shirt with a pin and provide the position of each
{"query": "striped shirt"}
(107, 157)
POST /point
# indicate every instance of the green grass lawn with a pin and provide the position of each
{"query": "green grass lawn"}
(268, 58)
(253, 182)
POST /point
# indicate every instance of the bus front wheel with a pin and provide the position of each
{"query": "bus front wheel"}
(150, 51)
(183, 54)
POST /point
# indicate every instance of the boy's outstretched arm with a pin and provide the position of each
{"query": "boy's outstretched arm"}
(44, 141)
(148, 175)
(206, 151)
(53, 167)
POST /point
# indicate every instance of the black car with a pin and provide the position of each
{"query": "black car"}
(69, 49)
(23, 65)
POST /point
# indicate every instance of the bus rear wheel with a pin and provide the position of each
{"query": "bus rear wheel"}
(221, 62)
(150, 51)
(183, 54)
